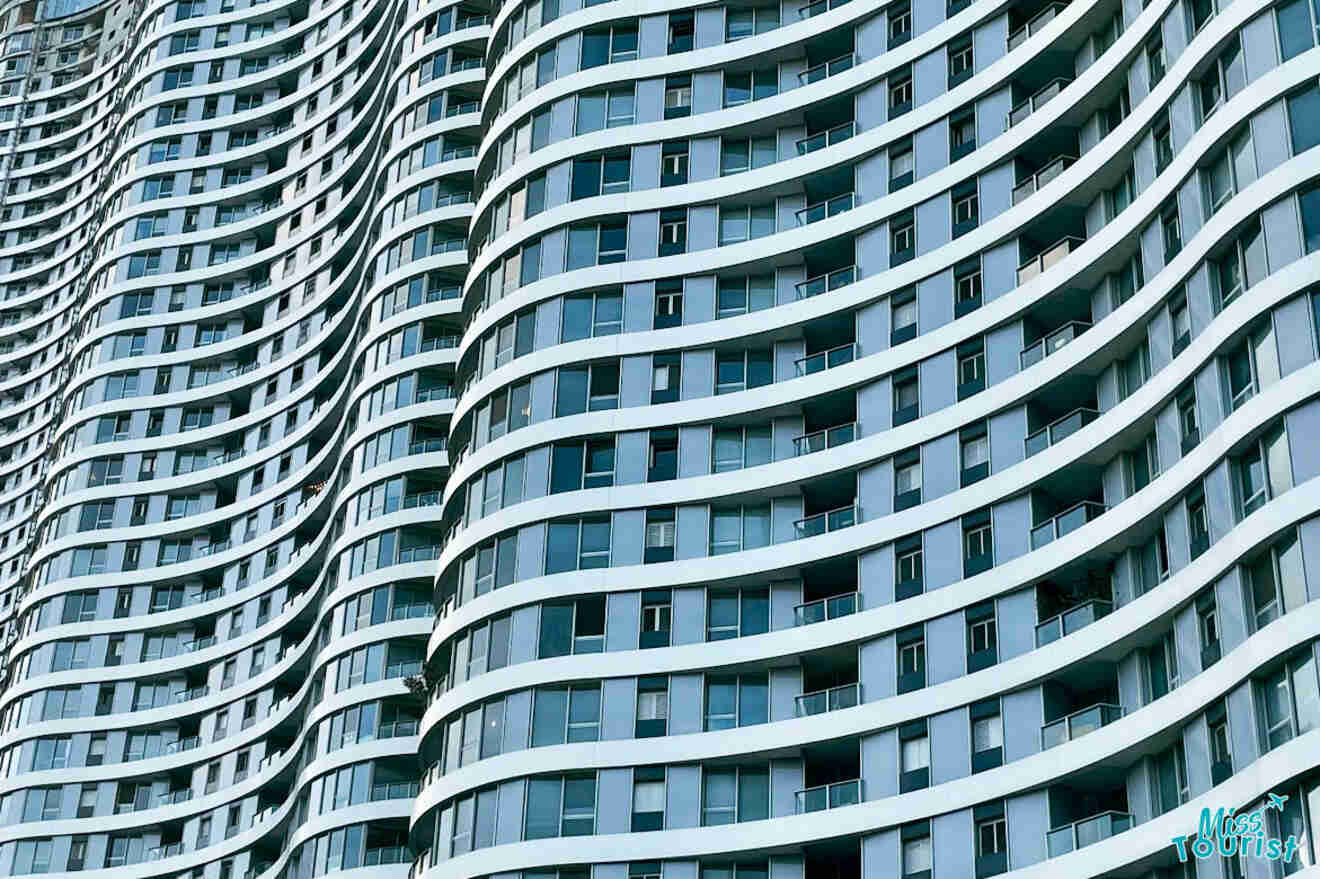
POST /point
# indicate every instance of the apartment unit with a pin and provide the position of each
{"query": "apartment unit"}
(523, 440)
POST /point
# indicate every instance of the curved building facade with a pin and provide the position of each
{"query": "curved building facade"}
(524, 441)
(884, 446)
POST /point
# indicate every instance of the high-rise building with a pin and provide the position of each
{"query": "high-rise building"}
(452, 441)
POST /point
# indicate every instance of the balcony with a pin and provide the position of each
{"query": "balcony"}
(829, 137)
(828, 438)
(1078, 724)
(1065, 523)
(1042, 18)
(1042, 97)
(827, 359)
(1037, 181)
(842, 605)
(1048, 344)
(833, 699)
(1059, 429)
(1072, 620)
(1080, 834)
(821, 210)
(824, 283)
(828, 796)
(826, 69)
(830, 520)
(1053, 254)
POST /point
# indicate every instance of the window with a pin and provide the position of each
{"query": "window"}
(738, 154)
(586, 315)
(974, 453)
(674, 163)
(900, 91)
(913, 756)
(1180, 322)
(609, 45)
(734, 794)
(652, 706)
(907, 398)
(987, 735)
(648, 799)
(1198, 526)
(673, 231)
(901, 165)
(597, 244)
(903, 315)
(960, 60)
(578, 545)
(741, 295)
(1225, 78)
(911, 646)
(560, 807)
(981, 636)
(907, 479)
(966, 287)
(743, 370)
(1263, 471)
(744, 222)
(899, 17)
(1221, 753)
(1207, 627)
(1163, 142)
(736, 528)
(1252, 366)
(657, 617)
(1276, 581)
(678, 97)
(587, 389)
(1156, 61)
(754, 85)
(1290, 700)
(991, 840)
(962, 134)
(1143, 464)
(966, 210)
(1170, 231)
(971, 370)
(1296, 29)
(978, 543)
(1309, 201)
(902, 238)
(666, 373)
(1188, 423)
(736, 700)
(659, 538)
(605, 109)
(1233, 168)
(1161, 667)
(565, 714)
(907, 567)
(734, 448)
(737, 612)
(601, 175)
(742, 23)
(578, 465)
(682, 27)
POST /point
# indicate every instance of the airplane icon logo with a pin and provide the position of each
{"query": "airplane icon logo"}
(1276, 802)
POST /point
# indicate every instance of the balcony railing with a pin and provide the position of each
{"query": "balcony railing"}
(1053, 254)
(1038, 180)
(1038, 21)
(828, 438)
(824, 283)
(830, 520)
(1048, 344)
(421, 448)
(1042, 97)
(1080, 834)
(828, 359)
(1078, 724)
(829, 796)
(1059, 429)
(837, 134)
(1065, 522)
(1071, 620)
(842, 605)
(825, 69)
(821, 210)
(395, 790)
(844, 696)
